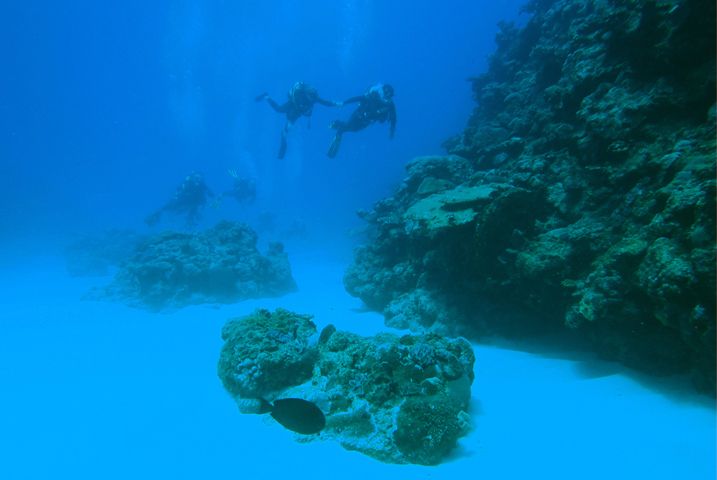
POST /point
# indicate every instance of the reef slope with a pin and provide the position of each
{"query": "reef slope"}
(581, 193)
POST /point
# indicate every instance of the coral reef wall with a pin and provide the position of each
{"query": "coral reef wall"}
(581, 193)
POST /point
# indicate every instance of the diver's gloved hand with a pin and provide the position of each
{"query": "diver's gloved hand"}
(261, 97)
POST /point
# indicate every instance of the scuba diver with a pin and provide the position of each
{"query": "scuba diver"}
(188, 199)
(302, 98)
(376, 105)
(243, 189)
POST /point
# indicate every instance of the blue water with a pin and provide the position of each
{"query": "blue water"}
(105, 109)
(106, 106)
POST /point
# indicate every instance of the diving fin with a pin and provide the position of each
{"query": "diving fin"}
(282, 148)
(153, 219)
(335, 144)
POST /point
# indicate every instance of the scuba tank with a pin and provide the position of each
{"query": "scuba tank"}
(302, 96)
(377, 104)
(377, 90)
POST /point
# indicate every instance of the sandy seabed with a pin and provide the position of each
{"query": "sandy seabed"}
(97, 390)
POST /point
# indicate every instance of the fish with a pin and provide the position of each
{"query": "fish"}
(295, 414)
(326, 333)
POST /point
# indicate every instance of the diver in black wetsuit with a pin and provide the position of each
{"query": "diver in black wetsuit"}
(376, 105)
(188, 199)
(302, 98)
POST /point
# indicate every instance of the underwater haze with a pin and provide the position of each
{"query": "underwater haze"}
(108, 108)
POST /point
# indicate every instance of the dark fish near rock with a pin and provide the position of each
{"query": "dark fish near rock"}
(326, 333)
(300, 416)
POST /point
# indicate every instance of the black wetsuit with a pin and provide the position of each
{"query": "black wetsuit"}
(300, 103)
(188, 199)
(294, 109)
(372, 108)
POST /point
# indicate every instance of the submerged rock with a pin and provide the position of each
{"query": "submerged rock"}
(266, 353)
(220, 265)
(581, 193)
(450, 208)
(400, 399)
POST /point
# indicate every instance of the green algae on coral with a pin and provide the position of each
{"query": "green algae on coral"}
(427, 429)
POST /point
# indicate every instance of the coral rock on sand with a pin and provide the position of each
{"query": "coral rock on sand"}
(400, 399)
(220, 265)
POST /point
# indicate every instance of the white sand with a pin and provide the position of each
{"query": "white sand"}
(97, 390)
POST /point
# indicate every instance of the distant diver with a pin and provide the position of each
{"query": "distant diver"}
(295, 414)
(189, 199)
(243, 189)
(301, 100)
(376, 105)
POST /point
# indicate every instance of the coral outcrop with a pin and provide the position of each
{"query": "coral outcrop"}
(220, 265)
(581, 193)
(266, 353)
(400, 399)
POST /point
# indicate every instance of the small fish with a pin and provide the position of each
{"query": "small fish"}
(295, 414)
(326, 333)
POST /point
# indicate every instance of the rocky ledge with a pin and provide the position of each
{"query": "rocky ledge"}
(580, 195)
